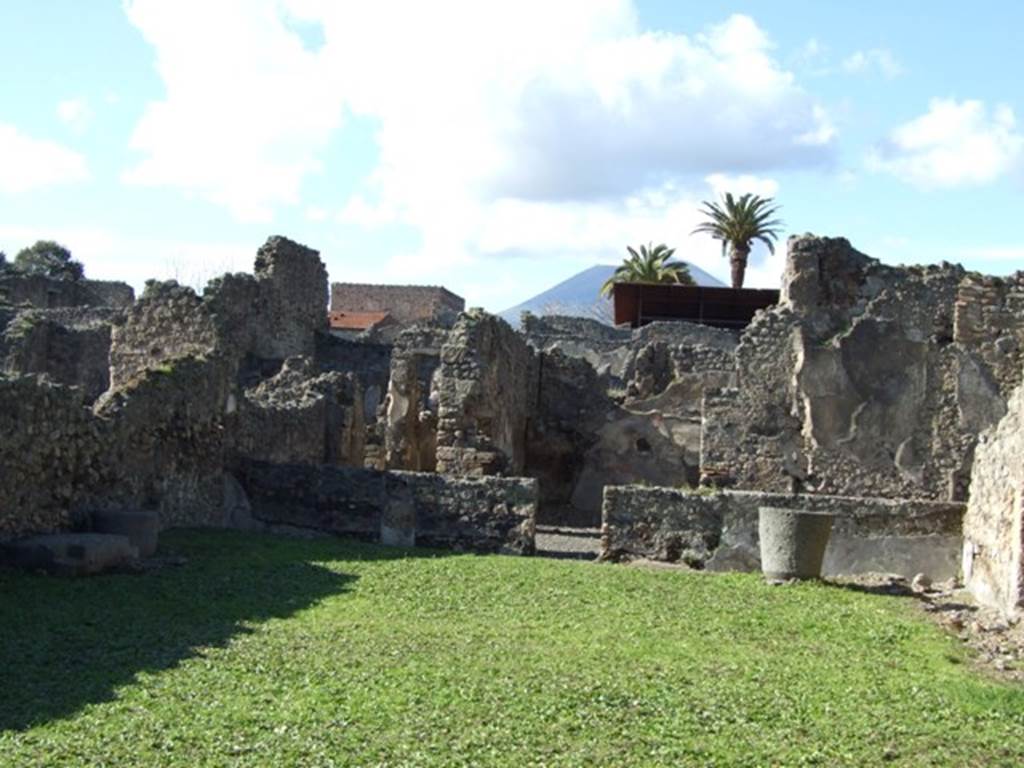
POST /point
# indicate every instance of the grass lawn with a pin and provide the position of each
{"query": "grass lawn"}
(277, 652)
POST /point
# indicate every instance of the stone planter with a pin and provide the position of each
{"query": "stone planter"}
(793, 542)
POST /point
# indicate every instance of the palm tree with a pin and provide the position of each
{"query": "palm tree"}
(649, 265)
(737, 224)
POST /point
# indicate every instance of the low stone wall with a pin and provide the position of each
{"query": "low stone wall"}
(718, 530)
(488, 514)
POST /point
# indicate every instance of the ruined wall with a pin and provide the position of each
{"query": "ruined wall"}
(857, 384)
(167, 441)
(411, 405)
(51, 446)
(489, 514)
(44, 292)
(719, 530)
(167, 323)
(486, 387)
(570, 409)
(993, 549)
(187, 402)
(406, 303)
(71, 346)
(302, 416)
(293, 283)
(271, 315)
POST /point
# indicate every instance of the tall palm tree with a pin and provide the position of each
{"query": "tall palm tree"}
(739, 222)
(649, 265)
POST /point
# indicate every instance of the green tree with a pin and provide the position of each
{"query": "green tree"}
(649, 265)
(737, 223)
(48, 258)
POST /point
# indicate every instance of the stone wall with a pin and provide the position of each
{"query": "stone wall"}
(44, 292)
(271, 315)
(993, 554)
(293, 283)
(718, 530)
(168, 442)
(314, 418)
(412, 402)
(52, 446)
(71, 346)
(406, 303)
(857, 383)
(489, 514)
(486, 390)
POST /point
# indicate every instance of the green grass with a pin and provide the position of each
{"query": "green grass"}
(275, 652)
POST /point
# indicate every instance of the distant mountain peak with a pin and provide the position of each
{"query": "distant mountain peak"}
(579, 295)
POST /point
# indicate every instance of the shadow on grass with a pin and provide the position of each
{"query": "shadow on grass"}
(65, 643)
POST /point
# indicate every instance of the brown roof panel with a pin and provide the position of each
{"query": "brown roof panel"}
(356, 321)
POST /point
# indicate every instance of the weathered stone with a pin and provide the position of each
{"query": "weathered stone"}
(993, 547)
(70, 554)
(868, 535)
(140, 527)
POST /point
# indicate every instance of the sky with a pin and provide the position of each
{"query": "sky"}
(497, 148)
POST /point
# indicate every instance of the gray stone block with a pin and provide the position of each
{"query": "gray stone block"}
(70, 554)
(140, 526)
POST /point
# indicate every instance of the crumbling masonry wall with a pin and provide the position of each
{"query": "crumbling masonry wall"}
(993, 548)
(485, 395)
(487, 514)
(857, 384)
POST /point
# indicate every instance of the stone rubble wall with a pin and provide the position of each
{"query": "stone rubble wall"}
(486, 390)
(719, 530)
(406, 303)
(52, 445)
(413, 399)
(487, 514)
(993, 553)
(42, 292)
(312, 418)
(70, 345)
(270, 315)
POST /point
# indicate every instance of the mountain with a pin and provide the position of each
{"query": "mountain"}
(579, 296)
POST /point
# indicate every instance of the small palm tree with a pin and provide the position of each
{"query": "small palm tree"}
(739, 223)
(649, 265)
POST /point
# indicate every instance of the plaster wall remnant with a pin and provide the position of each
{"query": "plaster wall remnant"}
(405, 303)
(412, 402)
(718, 531)
(485, 393)
(993, 546)
(857, 384)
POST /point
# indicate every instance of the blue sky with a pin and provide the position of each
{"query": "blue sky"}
(497, 148)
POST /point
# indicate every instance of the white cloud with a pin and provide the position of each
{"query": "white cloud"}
(720, 183)
(28, 163)
(953, 144)
(75, 113)
(247, 108)
(108, 255)
(503, 130)
(525, 99)
(879, 60)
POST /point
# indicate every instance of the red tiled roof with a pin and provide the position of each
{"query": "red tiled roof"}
(356, 321)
